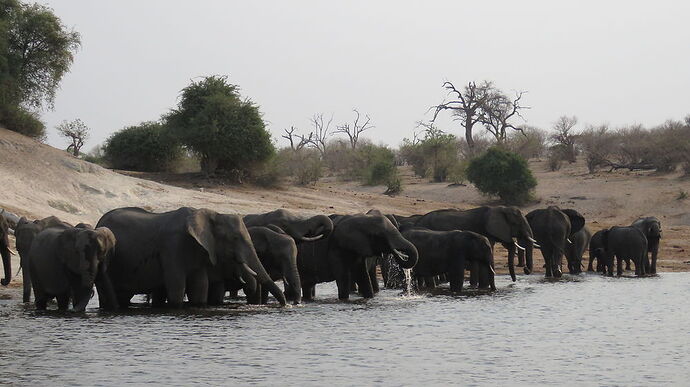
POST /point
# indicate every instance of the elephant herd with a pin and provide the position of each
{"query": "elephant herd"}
(200, 255)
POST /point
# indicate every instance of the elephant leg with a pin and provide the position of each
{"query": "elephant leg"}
(655, 252)
(647, 263)
(175, 286)
(430, 281)
(197, 287)
(233, 293)
(521, 258)
(619, 262)
(627, 264)
(590, 267)
(364, 283)
(63, 301)
(41, 303)
(124, 299)
(374, 280)
(255, 298)
(26, 278)
(307, 291)
(511, 259)
(158, 298)
(264, 295)
(474, 275)
(216, 293)
(557, 264)
(40, 299)
(548, 266)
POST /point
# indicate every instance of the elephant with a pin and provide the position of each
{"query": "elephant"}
(651, 228)
(597, 250)
(300, 229)
(552, 229)
(499, 224)
(449, 252)
(625, 243)
(576, 249)
(66, 263)
(185, 251)
(5, 251)
(346, 253)
(277, 252)
(407, 221)
(24, 234)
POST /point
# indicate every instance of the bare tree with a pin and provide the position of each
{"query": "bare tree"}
(76, 132)
(499, 111)
(321, 133)
(467, 105)
(358, 126)
(291, 136)
(564, 136)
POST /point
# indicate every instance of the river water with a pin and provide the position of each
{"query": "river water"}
(579, 330)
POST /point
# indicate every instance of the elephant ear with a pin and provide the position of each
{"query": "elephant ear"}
(497, 224)
(106, 243)
(577, 221)
(200, 227)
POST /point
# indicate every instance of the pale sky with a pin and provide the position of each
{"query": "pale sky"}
(619, 62)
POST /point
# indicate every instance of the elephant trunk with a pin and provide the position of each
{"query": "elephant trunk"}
(262, 276)
(293, 283)
(529, 258)
(106, 292)
(404, 252)
(6, 263)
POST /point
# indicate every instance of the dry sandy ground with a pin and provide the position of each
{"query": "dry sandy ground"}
(37, 180)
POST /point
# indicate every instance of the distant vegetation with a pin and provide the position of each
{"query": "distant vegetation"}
(147, 147)
(36, 51)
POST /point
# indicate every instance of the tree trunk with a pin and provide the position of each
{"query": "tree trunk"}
(468, 133)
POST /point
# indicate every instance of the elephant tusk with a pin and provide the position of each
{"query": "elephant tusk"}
(249, 269)
(569, 241)
(518, 246)
(12, 251)
(401, 255)
(536, 246)
(242, 281)
(311, 239)
(492, 270)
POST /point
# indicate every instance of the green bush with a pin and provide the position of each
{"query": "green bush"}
(22, 121)
(502, 173)
(145, 147)
(432, 157)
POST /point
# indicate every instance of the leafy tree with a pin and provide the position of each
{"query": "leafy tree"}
(502, 173)
(36, 51)
(76, 132)
(145, 147)
(227, 132)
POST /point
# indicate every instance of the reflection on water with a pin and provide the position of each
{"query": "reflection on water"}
(583, 329)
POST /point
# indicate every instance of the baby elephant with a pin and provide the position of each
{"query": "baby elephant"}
(449, 253)
(625, 243)
(66, 263)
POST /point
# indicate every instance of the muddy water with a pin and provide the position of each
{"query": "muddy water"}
(584, 330)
